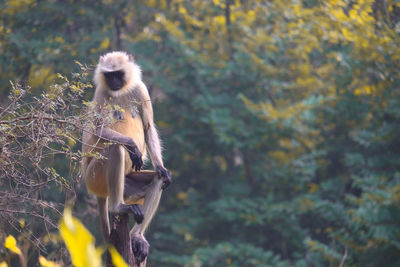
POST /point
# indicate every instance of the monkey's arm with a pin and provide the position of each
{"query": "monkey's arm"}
(151, 136)
(152, 140)
(110, 135)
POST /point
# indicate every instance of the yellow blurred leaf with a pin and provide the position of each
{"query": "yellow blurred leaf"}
(217, 2)
(347, 34)
(306, 204)
(280, 156)
(182, 10)
(182, 196)
(21, 223)
(313, 188)
(14, 6)
(219, 19)
(105, 44)
(46, 263)
(40, 76)
(79, 241)
(71, 141)
(251, 14)
(364, 90)
(59, 39)
(116, 258)
(3, 264)
(188, 237)
(11, 244)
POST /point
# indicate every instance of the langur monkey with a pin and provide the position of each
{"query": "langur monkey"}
(123, 144)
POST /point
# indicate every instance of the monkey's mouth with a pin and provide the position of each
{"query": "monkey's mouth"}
(115, 87)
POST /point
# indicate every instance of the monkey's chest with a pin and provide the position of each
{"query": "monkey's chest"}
(125, 114)
(130, 124)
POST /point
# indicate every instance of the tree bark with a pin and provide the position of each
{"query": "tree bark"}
(120, 238)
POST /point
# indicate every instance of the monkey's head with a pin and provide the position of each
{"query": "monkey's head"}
(116, 72)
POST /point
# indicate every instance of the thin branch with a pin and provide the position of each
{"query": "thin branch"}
(344, 257)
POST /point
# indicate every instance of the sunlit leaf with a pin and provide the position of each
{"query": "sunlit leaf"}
(79, 241)
(11, 244)
(46, 263)
(116, 258)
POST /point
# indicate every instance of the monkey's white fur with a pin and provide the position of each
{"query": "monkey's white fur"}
(117, 61)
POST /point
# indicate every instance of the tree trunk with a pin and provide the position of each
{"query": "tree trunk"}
(120, 238)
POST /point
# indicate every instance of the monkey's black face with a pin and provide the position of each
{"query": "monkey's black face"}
(115, 79)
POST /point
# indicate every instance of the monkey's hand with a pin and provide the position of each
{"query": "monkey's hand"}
(135, 155)
(164, 175)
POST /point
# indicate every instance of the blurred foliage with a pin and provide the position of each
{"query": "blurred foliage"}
(280, 120)
(80, 244)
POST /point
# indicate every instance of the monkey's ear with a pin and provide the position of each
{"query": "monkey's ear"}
(130, 57)
(101, 59)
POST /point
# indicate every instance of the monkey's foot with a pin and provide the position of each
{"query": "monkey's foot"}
(134, 209)
(140, 248)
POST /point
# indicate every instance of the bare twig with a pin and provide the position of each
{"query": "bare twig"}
(344, 257)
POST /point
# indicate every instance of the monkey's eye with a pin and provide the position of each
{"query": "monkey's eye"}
(114, 74)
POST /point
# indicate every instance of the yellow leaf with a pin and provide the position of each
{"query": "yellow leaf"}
(251, 14)
(182, 10)
(3, 264)
(217, 2)
(105, 44)
(46, 263)
(21, 223)
(117, 260)
(71, 141)
(79, 241)
(40, 76)
(347, 34)
(313, 188)
(188, 237)
(353, 14)
(182, 196)
(364, 90)
(219, 19)
(306, 204)
(11, 244)
(280, 156)
(59, 39)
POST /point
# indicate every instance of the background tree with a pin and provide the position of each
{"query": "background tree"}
(280, 120)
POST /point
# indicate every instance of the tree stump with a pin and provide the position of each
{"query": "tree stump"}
(136, 185)
(120, 239)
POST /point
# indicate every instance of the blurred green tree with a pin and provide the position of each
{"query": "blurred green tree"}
(279, 119)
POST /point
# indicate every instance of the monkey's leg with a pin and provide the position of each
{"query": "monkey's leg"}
(104, 220)
(96, 184)
(140, 246)
(115, 177)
